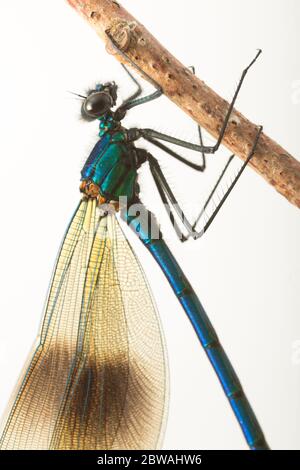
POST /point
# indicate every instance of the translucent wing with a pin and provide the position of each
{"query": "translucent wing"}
(97, 377)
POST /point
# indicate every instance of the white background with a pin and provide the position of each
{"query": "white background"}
(245, 270)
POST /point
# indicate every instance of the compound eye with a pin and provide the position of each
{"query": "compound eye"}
(96, 104)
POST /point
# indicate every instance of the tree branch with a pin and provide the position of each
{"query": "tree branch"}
(191, 94)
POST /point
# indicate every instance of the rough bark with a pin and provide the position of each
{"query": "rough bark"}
(191, 94)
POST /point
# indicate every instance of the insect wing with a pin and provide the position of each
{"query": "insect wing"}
(98, 375)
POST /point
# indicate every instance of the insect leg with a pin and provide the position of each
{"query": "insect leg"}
(171, 202)
(198, 234)
(214, 189)
(177, 156)
(168, 199)
(202, 148)
(139, 89)
(135, 102)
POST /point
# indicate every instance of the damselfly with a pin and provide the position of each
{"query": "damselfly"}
(97, 378)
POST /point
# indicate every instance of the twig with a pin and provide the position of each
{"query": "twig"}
(191, 94)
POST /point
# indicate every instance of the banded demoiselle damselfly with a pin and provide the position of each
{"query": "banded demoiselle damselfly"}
(97, 378)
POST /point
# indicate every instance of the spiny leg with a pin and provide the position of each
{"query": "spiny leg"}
(201, 148)
(211, 194)
(170, 200)
(132, 100)
(138, 91)
(164, 190)
(161, 182)
(145, 99)
(176, 155)
(199, 234)
(195, 166)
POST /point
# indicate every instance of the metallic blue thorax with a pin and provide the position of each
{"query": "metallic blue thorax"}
(112, 163)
